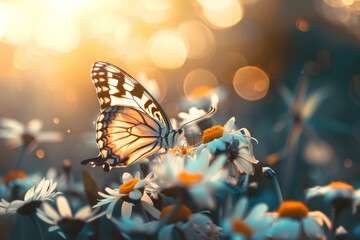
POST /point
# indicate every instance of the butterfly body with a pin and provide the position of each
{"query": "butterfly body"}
(131, 125)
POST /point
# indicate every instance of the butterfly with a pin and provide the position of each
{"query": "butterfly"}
(131, 125)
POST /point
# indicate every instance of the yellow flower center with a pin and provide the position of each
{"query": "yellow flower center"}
(239, 226)
(182, 214)
(293, 209)
(189, 179)
(182, 150)
(14, 174)
(343, 185)
(212, 133)
(128, 186)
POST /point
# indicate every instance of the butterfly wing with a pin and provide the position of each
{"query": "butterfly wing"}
(115, 87)
(126, 134)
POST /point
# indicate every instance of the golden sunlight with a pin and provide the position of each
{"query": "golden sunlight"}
(168, 50)
(199, 83)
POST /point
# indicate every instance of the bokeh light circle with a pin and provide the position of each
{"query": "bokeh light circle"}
(251, 83)
(199, 39)
(199, 83)
(222, 14)
(168, 50)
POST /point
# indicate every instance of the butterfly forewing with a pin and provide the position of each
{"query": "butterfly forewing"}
(115, 87)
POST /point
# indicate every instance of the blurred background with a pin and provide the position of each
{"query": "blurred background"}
(289, 71)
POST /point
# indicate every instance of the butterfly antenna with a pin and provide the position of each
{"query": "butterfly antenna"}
(206, 115)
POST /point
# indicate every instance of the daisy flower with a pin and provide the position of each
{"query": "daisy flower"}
(293, 220)
(240, 226)
(63, 221)
(339, 194)
(17, 182)
(131, 192)
(197, 176)
(135, 227)
(17, 134)
(45, 190)
(188, 225)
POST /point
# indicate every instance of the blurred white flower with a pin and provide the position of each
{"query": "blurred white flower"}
(45, 190)
(129, 193)
(339, 194)
(196, 175)
(17, 134)
(135, 226)
(294, 220)
(63, 221)
(241, 225)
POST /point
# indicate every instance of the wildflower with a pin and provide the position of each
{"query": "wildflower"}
(254, 225)
(339, 194)
(236, 145)
(17, 134)
(16, 182)
(45, 190)
(293, 220)
(188, 225)
(63, 221)
(196, 176)
(130, 193)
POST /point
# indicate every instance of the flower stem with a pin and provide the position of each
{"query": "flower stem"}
(269, 173)
(335, 213)
(37, 226)
(21, 156)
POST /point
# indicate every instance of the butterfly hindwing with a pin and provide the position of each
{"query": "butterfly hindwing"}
(126, 134)
(115, 87)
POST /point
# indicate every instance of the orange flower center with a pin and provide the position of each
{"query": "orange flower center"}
(212, 133)
(189, 179)
(14, 174)
(239, 226)
(293, 209)
(128, 186)
(182, 214)
(343, 185)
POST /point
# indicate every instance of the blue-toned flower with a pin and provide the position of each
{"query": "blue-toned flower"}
(131, 192)
(135, 227)
(16, 134)
(199, 176)
(339, 194)
(294, 220)
(45, 190)
(184, 224)
(241, 225)
(62, 219)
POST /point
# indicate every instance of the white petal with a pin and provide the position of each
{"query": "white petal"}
(110, 208)
(285, 228)
(151, 209)
(312, 228)
(216, 165)
(30, 193)
(44, 217)
(53, 228)
(50, 136)
(83, 212)
(240, 208)
(13, 124)
(126, 209)
(229, 125)
(126, 177)
(147, 199)
(49, 210)
(34, 126)
(63, 206)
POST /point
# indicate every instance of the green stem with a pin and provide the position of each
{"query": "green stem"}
(21, 156)
(37, 226)
(335, 213)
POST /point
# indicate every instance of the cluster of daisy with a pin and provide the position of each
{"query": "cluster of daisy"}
(191, 192)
